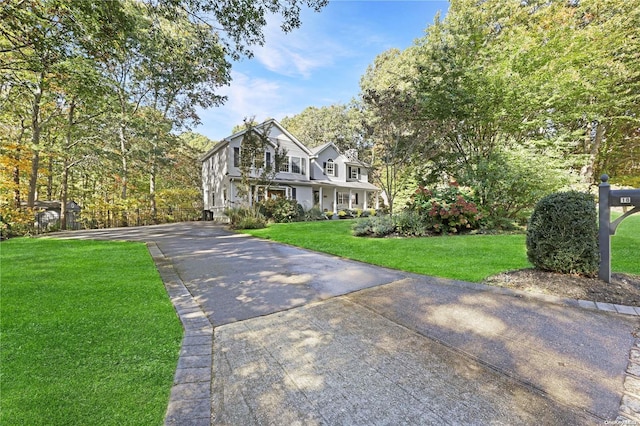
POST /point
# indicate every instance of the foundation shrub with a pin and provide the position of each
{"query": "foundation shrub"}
(374, 226)
(281, 210)
(368, 212)
(245, 218)
(563, 234)
(314, 213)
(345, 214)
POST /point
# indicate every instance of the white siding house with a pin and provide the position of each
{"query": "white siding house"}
(321, 177)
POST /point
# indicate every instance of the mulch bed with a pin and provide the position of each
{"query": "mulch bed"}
(624, 289)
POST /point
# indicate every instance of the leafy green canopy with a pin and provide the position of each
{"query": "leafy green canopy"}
(81, 81)
(513, 99)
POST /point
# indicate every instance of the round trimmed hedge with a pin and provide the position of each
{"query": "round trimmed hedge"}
(563, 234)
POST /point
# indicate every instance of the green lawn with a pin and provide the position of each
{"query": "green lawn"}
(625, 246)
(463, 257)
(89, 335)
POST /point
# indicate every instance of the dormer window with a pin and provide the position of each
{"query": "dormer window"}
(354, 173)
(330, 168)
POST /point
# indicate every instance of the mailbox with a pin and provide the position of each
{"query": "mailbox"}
(612, 198)
(624, 198)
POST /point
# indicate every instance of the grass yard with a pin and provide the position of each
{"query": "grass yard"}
(89, 336)
(625, 246)
(463, 257)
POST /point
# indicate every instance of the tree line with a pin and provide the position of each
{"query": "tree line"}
(95, 97)
(513, 99)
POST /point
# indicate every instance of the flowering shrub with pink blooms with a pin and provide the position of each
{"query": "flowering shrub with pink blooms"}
(446, 210)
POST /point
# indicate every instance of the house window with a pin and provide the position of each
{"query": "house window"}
(296, 165)
(267, 159)
(354, 172)
(273, 194)
(343, 197)
(330, 168)
(236, 156)
(293, 194)
(354, 198)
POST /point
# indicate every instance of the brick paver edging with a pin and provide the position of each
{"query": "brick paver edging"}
(630, 404)
(190, 401)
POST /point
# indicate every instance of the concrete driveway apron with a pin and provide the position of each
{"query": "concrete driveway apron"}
(305, 338)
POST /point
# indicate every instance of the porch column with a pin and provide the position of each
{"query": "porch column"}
(320, 200)
(350, 203)
(365, 204)
(335, 200)
(377, 200)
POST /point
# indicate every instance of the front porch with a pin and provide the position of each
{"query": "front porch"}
(334, 198)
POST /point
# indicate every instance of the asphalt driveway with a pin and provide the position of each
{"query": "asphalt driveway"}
(305, 338)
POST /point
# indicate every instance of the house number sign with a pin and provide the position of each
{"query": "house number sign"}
(612, 198)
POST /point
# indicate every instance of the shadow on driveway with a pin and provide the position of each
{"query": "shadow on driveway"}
(307, 338)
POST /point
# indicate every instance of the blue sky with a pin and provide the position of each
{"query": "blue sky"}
(320, 63)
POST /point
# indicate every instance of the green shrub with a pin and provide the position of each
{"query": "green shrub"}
(314, 213)
(251, 223)
(446, 210)
(368, 212)
(510, 182)
(563, 234)
(15, 222)
(374, 226)
(245, 218)
(345, 214)
(412, 223)
(281, 210)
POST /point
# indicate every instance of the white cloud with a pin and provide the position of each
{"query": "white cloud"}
(299, 53)
(318, 64)
(246, 97)
(250, 96)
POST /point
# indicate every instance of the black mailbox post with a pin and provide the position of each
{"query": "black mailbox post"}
(612, 198)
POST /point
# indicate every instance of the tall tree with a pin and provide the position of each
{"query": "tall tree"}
(37, 38)
(340, 124)
(571, 69)
(394, 127)
(169, 55)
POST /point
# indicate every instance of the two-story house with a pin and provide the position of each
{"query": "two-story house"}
(321, 177)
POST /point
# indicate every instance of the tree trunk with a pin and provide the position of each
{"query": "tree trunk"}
(50, 180)
(123, 153)
(16, 179)
(35, 142)
(588, 169)
(64, 188)
(152, 189)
